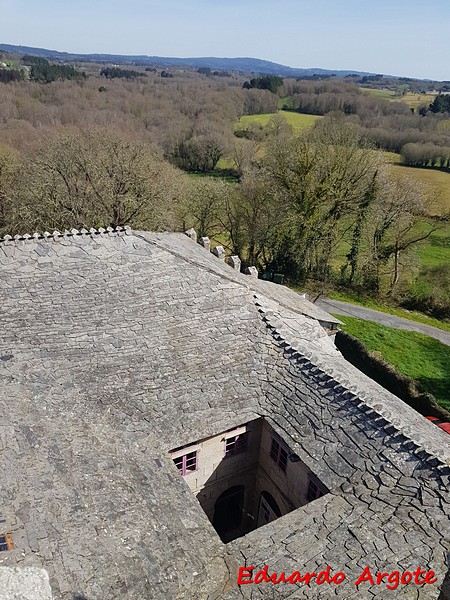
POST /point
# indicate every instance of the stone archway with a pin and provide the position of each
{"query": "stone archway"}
(228, 512)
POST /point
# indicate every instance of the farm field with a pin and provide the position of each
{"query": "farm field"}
(297, 121)
(413, 100)
(432, 178)
(413, 354)
(417, 100)
(382, 94)
(428, 176)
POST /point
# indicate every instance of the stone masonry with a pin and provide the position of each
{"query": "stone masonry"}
(118, 346)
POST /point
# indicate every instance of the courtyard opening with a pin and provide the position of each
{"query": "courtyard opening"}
(246, 477)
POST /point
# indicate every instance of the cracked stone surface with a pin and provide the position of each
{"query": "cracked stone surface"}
(117, 347)
(28, 583)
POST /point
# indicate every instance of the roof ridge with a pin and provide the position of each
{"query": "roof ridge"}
(126, 230)
(355, 397)
(227, 274)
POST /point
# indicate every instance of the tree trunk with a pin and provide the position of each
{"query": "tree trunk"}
(395, 275)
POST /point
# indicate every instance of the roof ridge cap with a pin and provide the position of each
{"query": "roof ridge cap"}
(355, 396)
(101, 231)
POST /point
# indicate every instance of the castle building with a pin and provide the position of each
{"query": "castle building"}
(174, 429)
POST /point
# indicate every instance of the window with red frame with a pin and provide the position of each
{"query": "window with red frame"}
(236, 445)
(279, 455)
(187, 463)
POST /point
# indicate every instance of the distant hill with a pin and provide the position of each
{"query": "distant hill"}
(243, 65)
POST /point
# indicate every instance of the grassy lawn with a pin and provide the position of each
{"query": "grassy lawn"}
(411, 315)
(435, 251)
(225, 162)
(440, 180)
(392, 157)
(414, 355)
(298, 121)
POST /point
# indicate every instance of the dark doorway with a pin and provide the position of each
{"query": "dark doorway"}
(228, 513)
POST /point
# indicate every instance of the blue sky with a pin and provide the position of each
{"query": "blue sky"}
(397, 37)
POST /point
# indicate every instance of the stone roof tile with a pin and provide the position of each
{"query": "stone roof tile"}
(121, 346)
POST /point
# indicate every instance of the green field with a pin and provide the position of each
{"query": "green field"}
(428, 176)
(413, 100)
(383, 94)
(435, 251)
(434, 178)
(417, 356)
(297, 121)
(392, 157)
(417, 100)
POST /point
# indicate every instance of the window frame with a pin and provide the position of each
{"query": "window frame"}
(239, 442)
(317, 493)
(184, 453)
(280, 455)
(6, 542)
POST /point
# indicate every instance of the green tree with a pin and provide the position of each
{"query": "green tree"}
(441, 104)
(203, 205)
(200, 153)
(253, 216)
(323, 176)
(268, 82)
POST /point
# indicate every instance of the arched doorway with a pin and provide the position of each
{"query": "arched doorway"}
(268, 509)
(228, 512)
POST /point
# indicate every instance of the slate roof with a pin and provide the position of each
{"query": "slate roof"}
(118, 346)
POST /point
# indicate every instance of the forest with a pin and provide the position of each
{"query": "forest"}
(162, 152)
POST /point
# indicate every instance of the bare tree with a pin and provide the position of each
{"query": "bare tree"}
(100, 178)
(400, 218)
